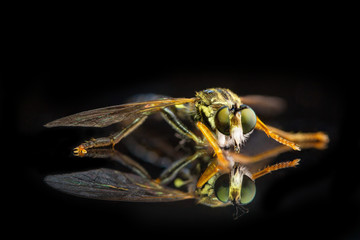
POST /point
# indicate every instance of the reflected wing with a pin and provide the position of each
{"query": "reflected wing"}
(106, 116)
(108, 184)
(265, 105)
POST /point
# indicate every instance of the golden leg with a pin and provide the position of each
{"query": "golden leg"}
(220, 164)
(316, 140)
(81, 150)
(275, 167)
(301, 137)
(244, 159)
(261, 126)
(209, 172)
(213, 142)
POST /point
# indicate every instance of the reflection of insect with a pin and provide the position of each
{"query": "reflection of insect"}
(214, 111)
(177, 182)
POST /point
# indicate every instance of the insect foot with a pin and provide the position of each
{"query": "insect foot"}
(80, 151)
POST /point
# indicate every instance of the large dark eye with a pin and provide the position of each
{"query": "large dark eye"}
(248, 119)
(221, 188)
(248, 190)
(222, 120)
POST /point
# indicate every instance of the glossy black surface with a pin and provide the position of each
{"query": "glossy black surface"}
(321, 196)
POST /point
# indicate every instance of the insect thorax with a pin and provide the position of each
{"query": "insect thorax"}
(210, 100)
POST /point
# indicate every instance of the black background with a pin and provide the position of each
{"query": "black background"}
(318, 198)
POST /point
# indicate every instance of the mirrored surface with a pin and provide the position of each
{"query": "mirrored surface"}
(311, 191)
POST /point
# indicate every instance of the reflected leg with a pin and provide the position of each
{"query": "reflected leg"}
(320, 143)
(275, 167)
(172, 170)
(218, 164)
(120, 158)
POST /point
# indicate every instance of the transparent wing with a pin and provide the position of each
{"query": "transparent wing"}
(106, 116)
(265, 105)
(108, 184)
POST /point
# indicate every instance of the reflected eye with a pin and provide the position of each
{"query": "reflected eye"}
(221, 188)
(222, 120)
(248, 190)
(248, 119)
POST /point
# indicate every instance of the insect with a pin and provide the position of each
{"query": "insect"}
(178, 181)
(224, 119)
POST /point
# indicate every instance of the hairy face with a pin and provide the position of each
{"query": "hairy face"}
(234, 126)
(223, 111)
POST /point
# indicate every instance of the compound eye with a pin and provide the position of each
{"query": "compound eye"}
(222, 120)
(248, 119)
(221, 188)
(248, 190)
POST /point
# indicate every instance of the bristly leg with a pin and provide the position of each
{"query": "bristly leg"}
(275, 167)
(261, 126)
(301, 137)
(108, 141)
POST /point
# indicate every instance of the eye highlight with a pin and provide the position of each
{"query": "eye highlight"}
(222, 120)
(248, 119)
(248, 190)
(221, 188)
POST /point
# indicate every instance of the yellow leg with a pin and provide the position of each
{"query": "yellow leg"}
(289, 139)
(275, 167)
(220, 164)
(213, 142)
(306, 140)
(209, 172)
(301, 137)
(261, 126)
(244, 159)
(80, 151)
(273, 152)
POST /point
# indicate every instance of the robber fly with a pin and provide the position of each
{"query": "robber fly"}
(214, 111)
(178, 181)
